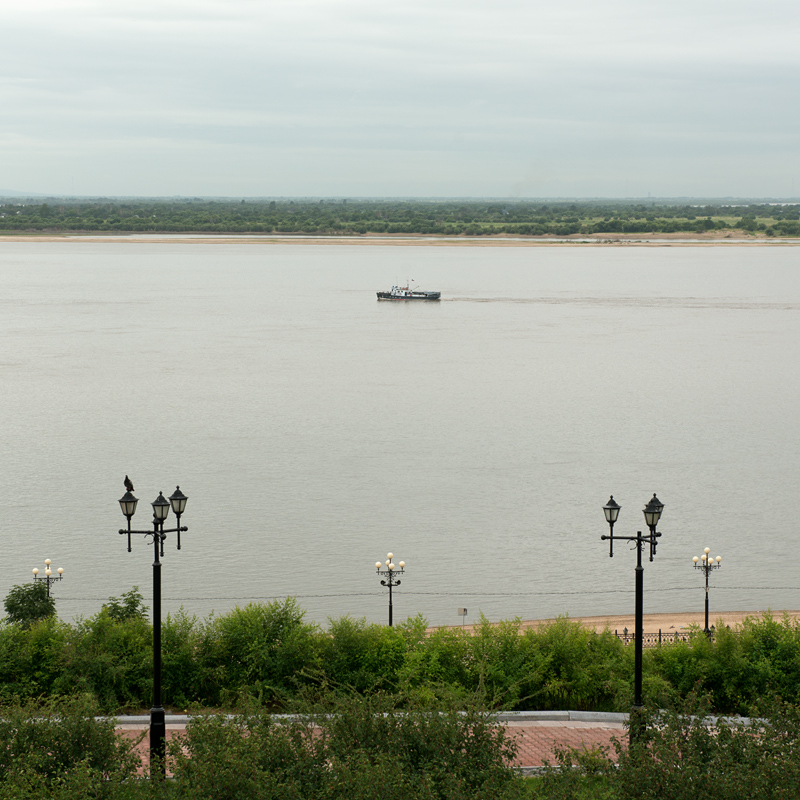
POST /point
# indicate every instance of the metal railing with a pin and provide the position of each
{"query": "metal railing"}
(659, 638)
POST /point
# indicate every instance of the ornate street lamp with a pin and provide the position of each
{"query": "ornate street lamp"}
(652, 514)
(48, 575)
(706, 563)
(391, 572)
(161, 507)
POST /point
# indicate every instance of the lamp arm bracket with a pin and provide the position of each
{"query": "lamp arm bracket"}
(651, 539)
(143, 533)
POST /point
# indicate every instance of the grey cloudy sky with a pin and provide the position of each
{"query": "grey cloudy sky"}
(506, 98)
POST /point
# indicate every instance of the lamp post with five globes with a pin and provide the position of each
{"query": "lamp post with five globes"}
(707, 563)
(391, 572)
(48, 575)
(177, 501)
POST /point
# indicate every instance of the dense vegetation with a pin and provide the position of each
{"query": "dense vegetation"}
(685, 755)
(355, 747)
(379, 709)
(442, 218)
(270, 653)
(347, 748)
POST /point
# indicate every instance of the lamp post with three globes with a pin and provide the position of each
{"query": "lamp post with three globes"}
(177, 501)
(652, 514)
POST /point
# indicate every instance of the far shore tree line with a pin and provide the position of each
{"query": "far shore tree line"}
(270, 654)
(386, 217)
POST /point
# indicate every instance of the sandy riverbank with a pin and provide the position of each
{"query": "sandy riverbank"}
(663, 622)
(715, 238)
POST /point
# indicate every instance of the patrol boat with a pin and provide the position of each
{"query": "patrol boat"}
(405, 293)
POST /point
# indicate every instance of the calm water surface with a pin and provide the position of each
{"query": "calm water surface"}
(315, 429)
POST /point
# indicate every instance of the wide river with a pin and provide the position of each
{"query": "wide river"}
(314, 429)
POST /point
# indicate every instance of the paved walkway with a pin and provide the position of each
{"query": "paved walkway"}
(540, 733)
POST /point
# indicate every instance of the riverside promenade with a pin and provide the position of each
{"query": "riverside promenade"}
(538, 733)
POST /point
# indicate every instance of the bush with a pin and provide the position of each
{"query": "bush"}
(130, 605)
(110, 659)
(261, 650)
(684, 754)
(51, 750)
(348, 747)
(270, 652)
(31, 659)
(362, 657)
(182, 672)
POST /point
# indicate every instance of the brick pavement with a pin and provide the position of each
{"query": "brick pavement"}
(539, 740)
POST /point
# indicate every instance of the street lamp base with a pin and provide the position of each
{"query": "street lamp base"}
(158, 740)
(636, 724)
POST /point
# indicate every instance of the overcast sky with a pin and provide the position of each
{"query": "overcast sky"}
(504, 98)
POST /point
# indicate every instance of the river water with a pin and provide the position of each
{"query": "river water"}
(315, 429)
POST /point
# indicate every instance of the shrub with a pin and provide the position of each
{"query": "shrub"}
(130, 605)
(362, 657)
(347, 747)
(48, 749)
(110, 659)
(684, 754)
(182, 668)
(31, 659)
(260, 650)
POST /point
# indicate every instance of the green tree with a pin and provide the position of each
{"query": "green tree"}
(130, 605)
(28, 603)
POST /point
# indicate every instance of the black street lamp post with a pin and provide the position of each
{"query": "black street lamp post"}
(391, 572)
(707, 563)
(48, 575)
(158, 726)
(652, 514)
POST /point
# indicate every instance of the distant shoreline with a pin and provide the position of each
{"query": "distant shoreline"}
(713, 239)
